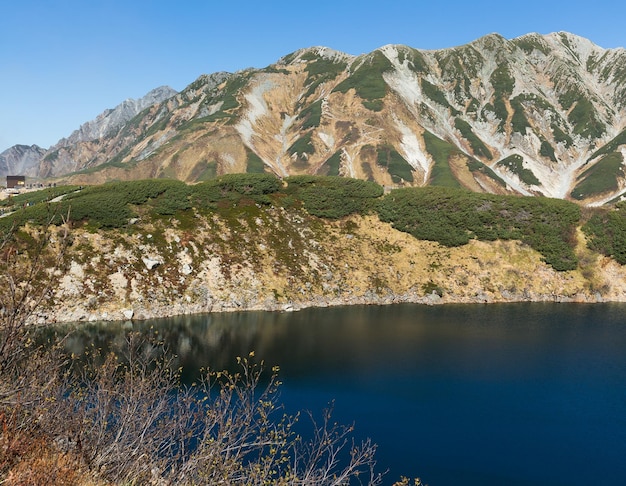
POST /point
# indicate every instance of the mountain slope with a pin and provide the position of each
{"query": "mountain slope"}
(95, 140)
(21, 159)
(535, 115)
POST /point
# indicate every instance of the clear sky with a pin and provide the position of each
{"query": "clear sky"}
(62, 62)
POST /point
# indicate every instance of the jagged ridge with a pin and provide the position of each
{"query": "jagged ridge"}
(539, 114)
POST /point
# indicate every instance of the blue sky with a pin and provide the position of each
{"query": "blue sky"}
(62, 62)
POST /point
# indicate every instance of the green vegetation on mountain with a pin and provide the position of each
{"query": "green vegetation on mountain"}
(320, 70)
(582, 114)
(476, 166)
(333, 197)
(515, 163)
(547, 150)
(311, 115)
(415, 59)
(612, 146)
(331, 166)
(503, 84)
(301, 148)
(36, 197)
(478, 147)
(321, 66)
(502, 81)
(367, 79)
(51, 156)
(205, 170)
(107, 206)
(606, 232)
(600, 178)
(453, 217)
(560, 136)
(396, 165)
(231, 189)
(531, 43)
(441, 152)
(227, 96)
(435, 94)
(519, 122)
(462, 62)
(449, 216)
(254, 163)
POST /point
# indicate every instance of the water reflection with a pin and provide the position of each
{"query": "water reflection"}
(497, 394)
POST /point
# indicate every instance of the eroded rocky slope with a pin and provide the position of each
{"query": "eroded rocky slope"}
(535, 115)
(285, 260)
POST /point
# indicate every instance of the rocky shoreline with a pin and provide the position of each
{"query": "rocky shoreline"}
(115, 277)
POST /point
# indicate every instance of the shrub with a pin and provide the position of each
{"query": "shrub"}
(232, 187)
(453, 217)
(126, 416)
(367, 79)
(333, 197)
(606, 232)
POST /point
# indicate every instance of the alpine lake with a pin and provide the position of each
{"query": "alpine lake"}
(498, 394)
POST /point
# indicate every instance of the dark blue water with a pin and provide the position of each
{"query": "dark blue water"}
(466, 395)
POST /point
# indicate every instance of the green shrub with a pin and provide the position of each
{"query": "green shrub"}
(478, 147)
(254, 163)
(441, 152)
(333, 197)
(367, 80)
(435, 94)
(606, 232)
(303, 145)
(519, 122)
(547, 150)
(331, 166)
(36, 197)
(453, 217)
(612, 146)
(476, 166)
(232, 188)
(502, 81)
(311, 116)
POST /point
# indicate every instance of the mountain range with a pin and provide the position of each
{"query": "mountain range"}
(535, 115)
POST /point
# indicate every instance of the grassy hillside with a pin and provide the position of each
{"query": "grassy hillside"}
(451, 217)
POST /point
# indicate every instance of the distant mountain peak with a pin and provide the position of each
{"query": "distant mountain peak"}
(534, 115)
(112, 119)
(21, 160)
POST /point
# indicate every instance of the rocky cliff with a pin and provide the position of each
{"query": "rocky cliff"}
(283, 260)
(99, 139)
(21, 160)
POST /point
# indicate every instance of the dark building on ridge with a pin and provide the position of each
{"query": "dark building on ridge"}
(16, 182)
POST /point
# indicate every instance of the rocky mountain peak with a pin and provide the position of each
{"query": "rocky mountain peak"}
(538, 114)
(21, 160)
(112, 119)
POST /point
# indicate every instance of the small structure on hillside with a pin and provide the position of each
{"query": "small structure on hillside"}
(16, 182)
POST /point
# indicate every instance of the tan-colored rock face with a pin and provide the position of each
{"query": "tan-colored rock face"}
(280, 259)
(453, 116)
